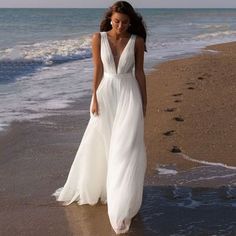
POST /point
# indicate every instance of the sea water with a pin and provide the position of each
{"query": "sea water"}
(45, 54)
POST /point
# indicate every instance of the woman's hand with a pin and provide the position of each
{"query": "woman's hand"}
(95, 107)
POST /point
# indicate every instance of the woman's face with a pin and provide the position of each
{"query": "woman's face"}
(120, 22)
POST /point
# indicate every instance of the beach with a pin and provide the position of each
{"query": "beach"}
(200, 91)
(190, 141)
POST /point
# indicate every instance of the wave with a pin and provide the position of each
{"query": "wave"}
(211, 178)
(209, 26)
(207, 162)
(219, 34)
(50, 52)
(214, 26)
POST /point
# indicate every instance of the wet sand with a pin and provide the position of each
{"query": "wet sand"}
(191, 105)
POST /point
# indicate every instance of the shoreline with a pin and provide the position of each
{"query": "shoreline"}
(36, 155)
(154, 78)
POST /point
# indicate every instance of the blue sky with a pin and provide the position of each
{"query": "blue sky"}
(106, 3)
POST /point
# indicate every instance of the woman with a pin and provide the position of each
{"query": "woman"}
(110, 163)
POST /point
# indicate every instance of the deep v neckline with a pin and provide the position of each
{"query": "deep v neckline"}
(114, 63)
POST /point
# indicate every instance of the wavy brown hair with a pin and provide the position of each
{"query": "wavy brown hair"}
(137, 25)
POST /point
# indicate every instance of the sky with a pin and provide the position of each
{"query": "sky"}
(107, 3)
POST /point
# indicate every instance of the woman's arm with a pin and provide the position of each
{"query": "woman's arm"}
(98, 68)
(139, 71)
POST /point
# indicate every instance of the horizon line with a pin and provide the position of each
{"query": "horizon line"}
(107, 7)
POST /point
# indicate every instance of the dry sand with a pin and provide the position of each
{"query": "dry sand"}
(35, 156)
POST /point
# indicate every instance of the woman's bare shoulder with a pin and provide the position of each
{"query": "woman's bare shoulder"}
(96, 36)
(139, 43)
(139, 40)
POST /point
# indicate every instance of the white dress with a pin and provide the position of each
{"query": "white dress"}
(110, 162)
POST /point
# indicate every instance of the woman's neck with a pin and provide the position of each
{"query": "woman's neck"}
(117, 36)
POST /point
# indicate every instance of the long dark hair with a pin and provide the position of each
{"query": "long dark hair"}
(137, 25)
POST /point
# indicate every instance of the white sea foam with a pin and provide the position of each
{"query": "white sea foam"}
(209, 26)
(213, 35)
(165, 171)
(213, 26)
(43, 93)
(186, 157)
(211, 178)
(50, 51)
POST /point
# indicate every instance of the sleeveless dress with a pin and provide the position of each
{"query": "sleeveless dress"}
(110, 163)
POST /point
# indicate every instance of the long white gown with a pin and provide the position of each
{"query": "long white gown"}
(110, 163)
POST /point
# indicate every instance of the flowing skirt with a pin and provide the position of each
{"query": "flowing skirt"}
(110, 162)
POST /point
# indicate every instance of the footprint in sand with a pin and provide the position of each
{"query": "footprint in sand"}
(178, 118)
(177, 100)
(190, 83)
(177, 94)
(170, 109)
(206, 75)
(175, 149)
(169, 133)
(200, 78)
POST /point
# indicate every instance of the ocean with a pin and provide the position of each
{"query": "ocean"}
(45, 54)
